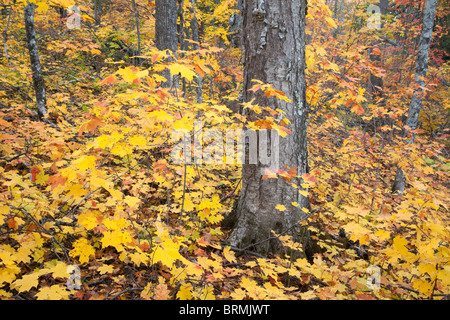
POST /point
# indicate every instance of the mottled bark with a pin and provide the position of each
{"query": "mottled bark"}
(97, 8)
(8, 11)
(274, 52)
(38, 80)
(137, 60)
(166, 36)
(415, 106)
(235, 27)
(196, 46)
(376, 82)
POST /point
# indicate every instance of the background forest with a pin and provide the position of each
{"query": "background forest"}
(93, 207)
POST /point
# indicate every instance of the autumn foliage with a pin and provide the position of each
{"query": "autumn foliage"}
(94, 185)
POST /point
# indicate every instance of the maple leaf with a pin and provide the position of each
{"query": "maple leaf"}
(229, 255)
(116, 239)
(358, 109)
(82, 248)
(88, 219)
(85, 163)
(161, 292)
(399, 244)
(185, 292)
(131, 201)
(55, 292)
(27, 282)
(106, 268)
(183, 70)
(91, 126)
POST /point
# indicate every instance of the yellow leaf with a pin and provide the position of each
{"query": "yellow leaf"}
(183, 70)
(132, 201)
(54, 292)
(185, 292)
(127, 74)
(399, 244)
(27, 282)
(138, 141)
(229, 255)
(422, 286)
(427, 268)
(115, 239)
(105, 269)
(303, 193)
(85, 163)
(83, 248)
(280, 207)
(382, 235)
(96, 51)
(88, 219)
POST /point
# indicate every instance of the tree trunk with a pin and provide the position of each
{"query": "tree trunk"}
(196, 38)
(415, 106)
(166, 37)
(376, 83)
(97, 6)
(38, 80)
(137, 60)
(274, 45)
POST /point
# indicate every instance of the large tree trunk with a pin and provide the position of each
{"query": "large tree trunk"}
(166, 36)
(38, 80)
(415, 106)
(274, 45)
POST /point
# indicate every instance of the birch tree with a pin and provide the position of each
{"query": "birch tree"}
(415, 106)
(38, 80)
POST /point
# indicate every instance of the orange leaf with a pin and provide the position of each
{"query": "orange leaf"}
(376, 51)
(358, 109)
(108, 80)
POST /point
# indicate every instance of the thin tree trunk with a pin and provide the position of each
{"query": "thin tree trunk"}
(196, 38)
(5, 34)
(38, 80)
(376, 83)
(181, 33)
(97, 6)
(274, 45)
(138, 33)
(415, 106)
(166, 37)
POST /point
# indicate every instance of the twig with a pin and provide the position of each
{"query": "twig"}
(125, 291)
(232, 192)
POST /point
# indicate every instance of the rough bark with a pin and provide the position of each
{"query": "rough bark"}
(235, 27)
(97, 6)
(38, 80)
(8, 12)
(274, 52)
(137, 60)
(375, 81)
(196, 46)
(166, 36)
(415, 106)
